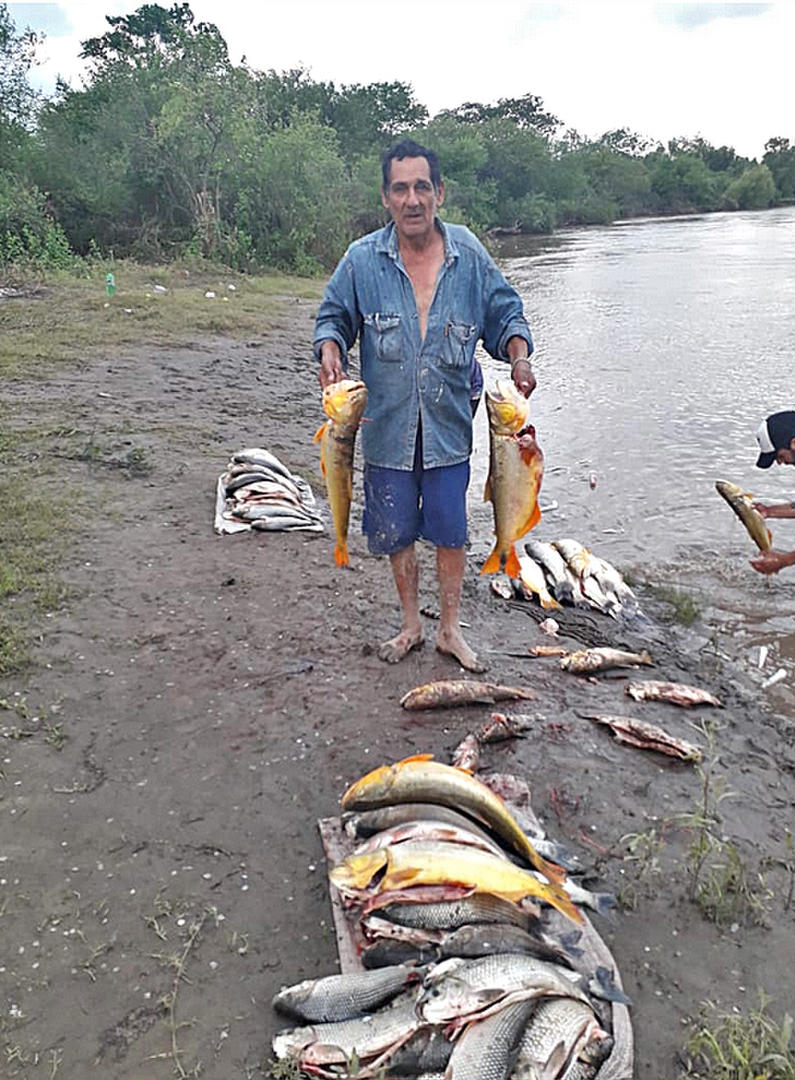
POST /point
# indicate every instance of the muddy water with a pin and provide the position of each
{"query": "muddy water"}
(660, 346)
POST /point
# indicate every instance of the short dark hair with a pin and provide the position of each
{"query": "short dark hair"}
(408, 148)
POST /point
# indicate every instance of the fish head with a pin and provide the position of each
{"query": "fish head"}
(292, 1042)
(345, 401)
(371, 790)
(508, 409)
(446, 1000)
(355, 873)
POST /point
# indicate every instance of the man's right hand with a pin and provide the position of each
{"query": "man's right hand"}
(330, 364)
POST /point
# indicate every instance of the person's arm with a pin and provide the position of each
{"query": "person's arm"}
(506, 335)
(337, 324)
(521, 371)
(770, 562)
(775, 510)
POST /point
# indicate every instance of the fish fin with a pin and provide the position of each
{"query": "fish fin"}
(319, 433)
(604, 903)
(492, 564)
(603, 986)
(550, 603)
(555, 1063)
(532, 521)
(416, 757)
(512, 567)
(341, 555)
(560, 899)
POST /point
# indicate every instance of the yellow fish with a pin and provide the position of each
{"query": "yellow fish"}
(343, 403)
(402, 866)
(516, 468)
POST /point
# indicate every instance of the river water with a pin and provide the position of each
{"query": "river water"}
(660, 345)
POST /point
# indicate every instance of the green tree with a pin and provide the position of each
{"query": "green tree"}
(779, 157)
(755, 189)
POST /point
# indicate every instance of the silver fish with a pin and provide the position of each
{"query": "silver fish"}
(452, 914)
(368, 822)
(473, 941)
(342, 997)
(585, 661)
(487, 1049)
(559, 1029)
(675, 693)
(456, 990)
(429, 830)
(369, 1037)
(564, 585)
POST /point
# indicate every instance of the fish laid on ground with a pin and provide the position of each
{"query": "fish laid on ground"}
(611, 580)
(516, 468)
(753, 521)
(487, 1049)
(409, 864)
(558, 1032)
(584, 661)
(467, 754)
(368, 822)
(343, 997)
(430, 831)
(458, 990)
(534, 583)
(647, 736)
(421, 779)
(578, 559)
(447, 693)
(426, 1053)
(343, 403)
(675, 693)
(370, 1037)
(501, 727)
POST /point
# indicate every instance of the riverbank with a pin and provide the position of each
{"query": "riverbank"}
(194, 703)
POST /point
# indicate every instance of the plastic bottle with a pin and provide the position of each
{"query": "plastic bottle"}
(110, 284)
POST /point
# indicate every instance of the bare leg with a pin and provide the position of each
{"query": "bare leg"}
(406, 574)
(450, 563)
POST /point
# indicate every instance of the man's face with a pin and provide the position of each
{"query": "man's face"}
(786, 457)
(411, 198)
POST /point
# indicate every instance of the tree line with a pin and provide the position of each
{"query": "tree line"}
(168, 149)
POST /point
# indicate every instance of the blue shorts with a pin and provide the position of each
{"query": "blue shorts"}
(423, 504)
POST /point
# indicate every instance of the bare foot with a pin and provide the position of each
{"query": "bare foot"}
(452, 643)
(400, 645)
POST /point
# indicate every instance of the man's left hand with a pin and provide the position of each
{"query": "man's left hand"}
(770, 562)
(523, 378)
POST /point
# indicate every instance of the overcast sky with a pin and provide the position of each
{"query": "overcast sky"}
(722, 71)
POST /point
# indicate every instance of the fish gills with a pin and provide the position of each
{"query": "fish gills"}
(516, 469)
(344, 403)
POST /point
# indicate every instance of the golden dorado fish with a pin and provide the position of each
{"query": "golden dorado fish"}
(741, 504)
(516, 468)
(421, 779)
(408, 864)
(343, 403)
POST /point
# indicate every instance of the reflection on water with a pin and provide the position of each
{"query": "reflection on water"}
(660, 345)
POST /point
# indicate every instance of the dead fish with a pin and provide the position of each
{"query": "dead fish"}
(516, 468)
(565, 586)
(448, 693)
(400, 907)
(368, 822)
(501, 727)
(675, 693)
(600, 902)
(585, 661)
(343, 997)
(467, 754)
(534, 583)
(753, 521)
(429, 830)
(316, 1047)
(256, 456)
(457, 990)
(647, 736)
(548, 650)
(487, 1049)
(426, 1052)
(558, 1031)
(344, 403)
(502, 587)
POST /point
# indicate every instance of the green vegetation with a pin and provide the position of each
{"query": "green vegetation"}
(685, 609)
(168, 149)
(737, 1046)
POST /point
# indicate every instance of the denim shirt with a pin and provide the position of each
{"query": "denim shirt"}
(412, 380)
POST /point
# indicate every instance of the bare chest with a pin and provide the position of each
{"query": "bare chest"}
(423, 274)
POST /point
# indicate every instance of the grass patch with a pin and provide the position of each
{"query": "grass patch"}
(69, 318)
(736, 1046)
(685, 609)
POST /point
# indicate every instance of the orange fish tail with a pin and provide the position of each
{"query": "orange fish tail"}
(341, 555)
(493, 564)
(512, 567)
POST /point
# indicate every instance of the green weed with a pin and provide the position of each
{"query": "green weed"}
(684, 608)
(736, 1046)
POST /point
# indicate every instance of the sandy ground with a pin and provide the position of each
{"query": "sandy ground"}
(204, 700)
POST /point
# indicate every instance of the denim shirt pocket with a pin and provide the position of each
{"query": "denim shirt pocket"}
(384, 333)
(459, 344)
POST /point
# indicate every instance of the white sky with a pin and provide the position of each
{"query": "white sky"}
(722, 71)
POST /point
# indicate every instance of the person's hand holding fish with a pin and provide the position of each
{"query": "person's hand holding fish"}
(522, 374)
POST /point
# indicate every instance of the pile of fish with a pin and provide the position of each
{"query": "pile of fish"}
(258, 492)
(565, 572)
(468, 972)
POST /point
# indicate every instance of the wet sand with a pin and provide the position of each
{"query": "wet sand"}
(204, 700)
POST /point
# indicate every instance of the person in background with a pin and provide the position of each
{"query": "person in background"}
(419, 294)
(776, 438)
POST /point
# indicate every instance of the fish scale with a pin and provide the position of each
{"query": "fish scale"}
(453, 914)
(487, 1049)
(562, 1021)
(342, 997)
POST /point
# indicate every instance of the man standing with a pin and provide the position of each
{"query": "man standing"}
(419, 294)
(776, 438)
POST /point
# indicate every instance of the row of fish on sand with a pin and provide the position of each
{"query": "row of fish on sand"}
(468, 927)
(257, 491)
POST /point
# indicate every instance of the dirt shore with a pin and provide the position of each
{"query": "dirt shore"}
(203, 700)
